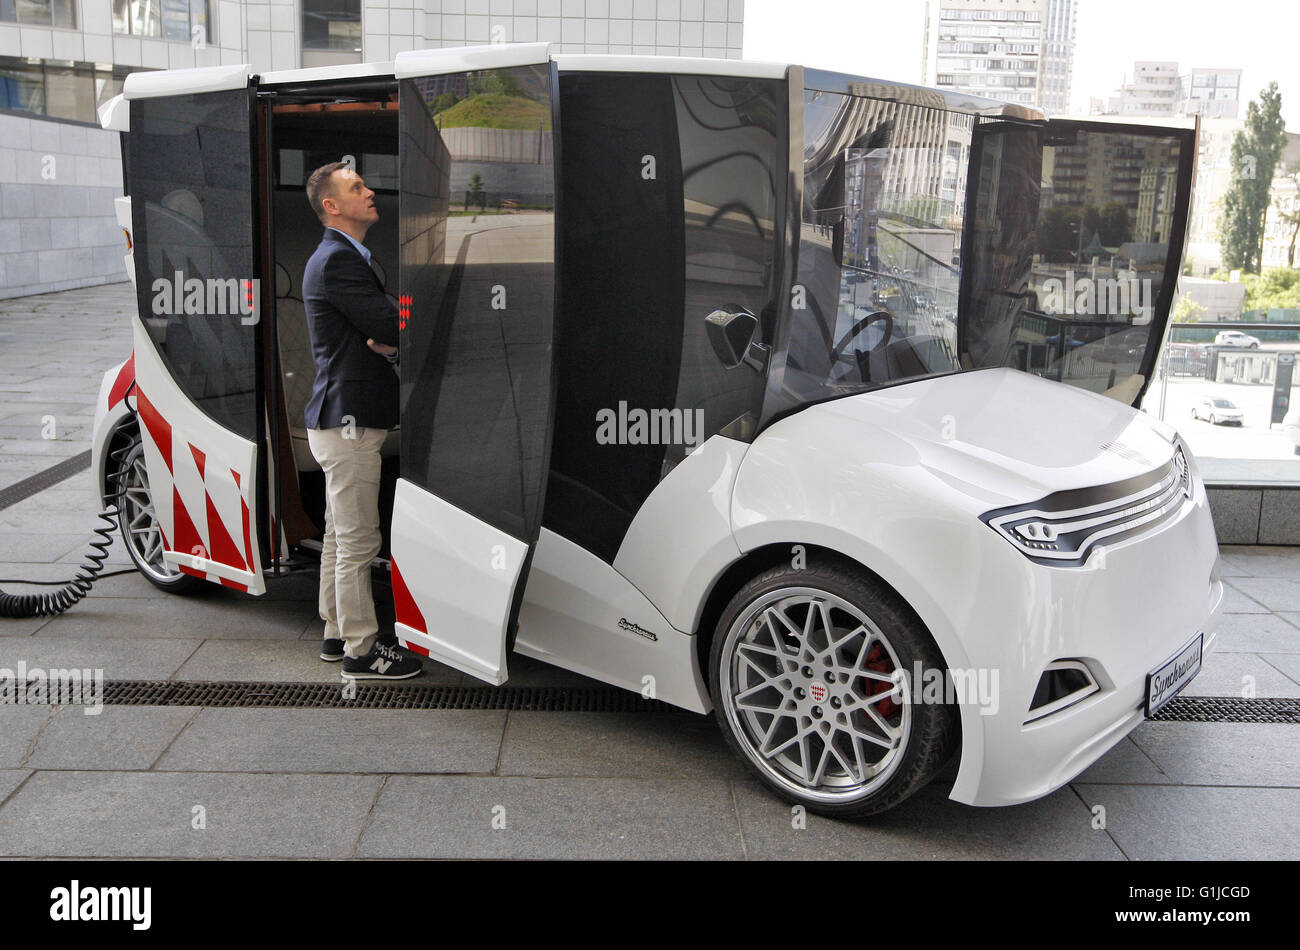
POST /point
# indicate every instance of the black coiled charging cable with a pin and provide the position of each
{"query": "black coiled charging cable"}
(91, 570)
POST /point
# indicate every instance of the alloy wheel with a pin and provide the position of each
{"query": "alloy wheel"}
(808, 683)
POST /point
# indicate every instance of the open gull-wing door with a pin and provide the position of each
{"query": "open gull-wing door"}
(1074, 240)
(478, 180)
(197, 329)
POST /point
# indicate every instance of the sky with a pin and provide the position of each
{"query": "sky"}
(884, 38)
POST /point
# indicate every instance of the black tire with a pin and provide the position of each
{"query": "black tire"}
(929, 732)
(134, 486)
(1212, 419)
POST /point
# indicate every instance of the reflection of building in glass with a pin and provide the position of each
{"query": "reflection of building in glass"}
(1157, 188)
(1097, 170)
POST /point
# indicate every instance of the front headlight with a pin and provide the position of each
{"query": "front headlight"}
(1063, 528)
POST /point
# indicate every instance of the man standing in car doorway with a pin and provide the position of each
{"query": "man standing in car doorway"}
(353, 404)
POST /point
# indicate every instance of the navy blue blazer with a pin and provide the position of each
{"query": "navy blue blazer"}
(345, 306)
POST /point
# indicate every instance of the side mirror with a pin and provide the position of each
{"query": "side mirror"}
(731, 334)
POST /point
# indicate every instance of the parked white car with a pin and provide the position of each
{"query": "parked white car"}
(1217, 411)
(1236, 338)
(645, 437)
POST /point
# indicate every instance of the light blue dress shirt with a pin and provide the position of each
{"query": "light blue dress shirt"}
(361, 248)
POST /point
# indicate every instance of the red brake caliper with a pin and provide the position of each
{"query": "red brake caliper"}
(878, 662)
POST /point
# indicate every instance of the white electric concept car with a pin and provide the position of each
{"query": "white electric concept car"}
(740, 384)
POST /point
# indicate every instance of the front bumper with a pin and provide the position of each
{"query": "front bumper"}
(1123, 615)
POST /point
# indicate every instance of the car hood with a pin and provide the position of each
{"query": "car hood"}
(1002, 436)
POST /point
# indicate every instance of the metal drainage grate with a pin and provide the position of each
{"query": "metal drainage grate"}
(1229, 709)
(554, 699)
(380, 696)
(45, 479)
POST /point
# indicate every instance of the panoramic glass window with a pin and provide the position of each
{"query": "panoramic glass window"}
(192, 223)
(477, 239)
(880, 248)
(1071, 240)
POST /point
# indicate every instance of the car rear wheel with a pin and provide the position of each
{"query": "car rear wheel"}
(811, 672)
(141, 532)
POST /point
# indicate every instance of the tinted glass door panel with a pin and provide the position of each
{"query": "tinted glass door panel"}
(198, 329)
(192, 226)
(477, 309)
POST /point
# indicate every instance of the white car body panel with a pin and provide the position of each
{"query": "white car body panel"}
(115, 114)
(461, 574)
(182, 82)
(680, 540)
(459, 59)
(677, 65)
(872, 477)
(109, 414)
(201, 476)
(325, 73)
(581, 614)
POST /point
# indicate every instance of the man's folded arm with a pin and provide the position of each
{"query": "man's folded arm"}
(351, 288)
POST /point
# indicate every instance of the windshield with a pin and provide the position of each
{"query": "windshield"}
(934, 242)
(875, 299)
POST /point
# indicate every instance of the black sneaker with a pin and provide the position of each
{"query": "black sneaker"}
(382, 663)
(331, 651)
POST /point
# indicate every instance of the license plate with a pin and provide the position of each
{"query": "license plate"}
(1164, 683)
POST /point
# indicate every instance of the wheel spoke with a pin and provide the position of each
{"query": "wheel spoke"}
(855, 774)
(820, 773)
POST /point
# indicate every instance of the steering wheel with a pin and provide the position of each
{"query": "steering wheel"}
(857, 328)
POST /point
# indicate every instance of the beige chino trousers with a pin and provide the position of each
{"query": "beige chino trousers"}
(352, 536)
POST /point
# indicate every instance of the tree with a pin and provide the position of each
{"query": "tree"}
(1278, 288)
(443, 102)
(1188, 310)
(1114, 224)
(1288, 212)
(1256, 149)
(1057, 233)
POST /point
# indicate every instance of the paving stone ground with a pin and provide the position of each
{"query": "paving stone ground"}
(380, 783)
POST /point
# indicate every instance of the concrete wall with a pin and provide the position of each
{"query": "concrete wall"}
(57, 226)
(1257, 514)
(1221, 300)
